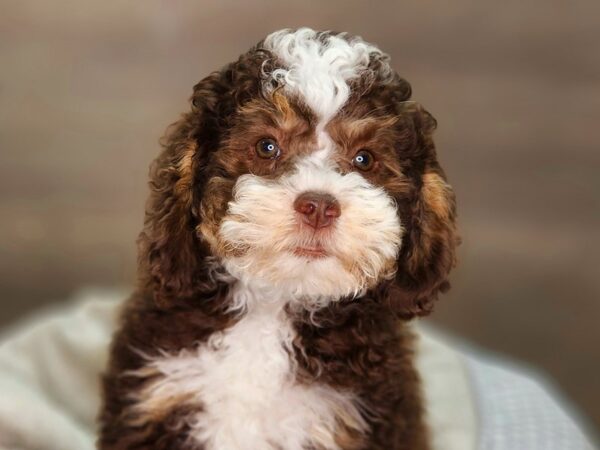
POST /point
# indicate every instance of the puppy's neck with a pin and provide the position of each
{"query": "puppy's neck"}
(247, 299)
(246, 296)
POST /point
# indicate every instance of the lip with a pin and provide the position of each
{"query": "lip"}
(310, 252)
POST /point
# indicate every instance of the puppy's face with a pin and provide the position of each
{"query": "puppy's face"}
(310, 211)
(302, 168)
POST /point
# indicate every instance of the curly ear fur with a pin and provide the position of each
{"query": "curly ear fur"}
(169, 248)
(430, 238)
(172, 253)
(172, 256)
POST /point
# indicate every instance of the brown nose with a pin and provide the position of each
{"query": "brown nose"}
(317, 209)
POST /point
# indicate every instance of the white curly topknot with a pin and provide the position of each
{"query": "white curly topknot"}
(319, 66)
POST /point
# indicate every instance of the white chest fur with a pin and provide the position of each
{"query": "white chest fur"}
(243, 381)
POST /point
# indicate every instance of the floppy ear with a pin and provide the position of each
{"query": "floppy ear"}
(428, 215)
(171, 255)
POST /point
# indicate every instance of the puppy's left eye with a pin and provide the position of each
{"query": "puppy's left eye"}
(363, 160)
(267, 148)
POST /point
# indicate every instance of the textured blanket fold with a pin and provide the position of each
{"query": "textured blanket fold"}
(50, 368)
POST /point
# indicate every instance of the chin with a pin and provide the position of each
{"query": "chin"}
(298, 219)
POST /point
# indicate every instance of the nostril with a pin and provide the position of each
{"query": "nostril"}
(305, 207)
(333, 210)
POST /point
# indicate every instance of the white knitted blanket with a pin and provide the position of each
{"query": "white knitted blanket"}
(49, 388)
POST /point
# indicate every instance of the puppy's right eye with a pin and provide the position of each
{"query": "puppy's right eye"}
(363, 160)
(267, 148)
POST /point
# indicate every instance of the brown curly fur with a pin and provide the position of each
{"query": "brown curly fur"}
(362, 346)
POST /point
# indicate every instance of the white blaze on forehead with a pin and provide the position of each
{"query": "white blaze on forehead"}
(318, 67)
(325, 148)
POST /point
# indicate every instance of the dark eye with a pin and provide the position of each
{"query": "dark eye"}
(267, 148)
(363, 160)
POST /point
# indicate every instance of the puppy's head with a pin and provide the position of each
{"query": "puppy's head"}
(303, 169)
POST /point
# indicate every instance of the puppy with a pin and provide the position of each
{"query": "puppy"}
(298, 218)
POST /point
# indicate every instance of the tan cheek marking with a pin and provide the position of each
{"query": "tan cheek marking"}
(229, 249)
(349, 439)
(351, 266)
(422, 249)
(155, 409)
(213, 208)
(436, 202)
(149, 406)
(389, 269)
(183, 186)
(435, 194)
(349, 433)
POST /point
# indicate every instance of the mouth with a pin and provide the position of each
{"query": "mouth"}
(314, 252)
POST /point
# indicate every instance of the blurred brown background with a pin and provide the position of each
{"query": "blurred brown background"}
(87, 88)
